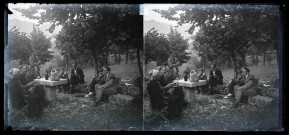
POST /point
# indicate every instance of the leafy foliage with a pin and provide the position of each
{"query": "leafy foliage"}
(19, 46)
(228, 31)
(91, 30)
(158, 46)
(41, 43)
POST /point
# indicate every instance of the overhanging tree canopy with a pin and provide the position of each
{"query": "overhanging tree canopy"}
(91, 28)
(229, 30)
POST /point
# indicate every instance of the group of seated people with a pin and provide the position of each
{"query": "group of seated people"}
(162, 90)
(105, 82)
(237, 87)
(23, 90)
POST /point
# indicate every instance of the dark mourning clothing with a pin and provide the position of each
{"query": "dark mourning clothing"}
(175, 99)
(23, 79)
(36, 100)
(75, 80)
(156, 96)
(16, 94)
(216, 78)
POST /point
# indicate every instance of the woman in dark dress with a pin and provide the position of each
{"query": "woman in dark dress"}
(36, 94)
(174, 94)
(15, 90)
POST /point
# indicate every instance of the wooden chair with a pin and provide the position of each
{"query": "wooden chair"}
(155, 113)
(20, 111)
(15, 112)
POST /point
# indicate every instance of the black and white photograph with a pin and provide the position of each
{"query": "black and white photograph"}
(143, 67)
(212, 67)
(74, 67)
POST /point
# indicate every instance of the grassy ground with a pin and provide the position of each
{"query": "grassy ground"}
(213, 113)
(73, 113)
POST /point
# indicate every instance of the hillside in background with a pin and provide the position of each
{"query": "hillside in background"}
(165, 28)
(27, 27)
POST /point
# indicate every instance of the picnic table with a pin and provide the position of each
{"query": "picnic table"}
(50, 88)
(189, 88)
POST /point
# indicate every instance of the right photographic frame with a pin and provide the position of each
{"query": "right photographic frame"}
(213, 67)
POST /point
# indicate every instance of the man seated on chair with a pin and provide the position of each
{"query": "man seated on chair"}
(77, 77)
(108, 86)
(246, 82)
(216, 78)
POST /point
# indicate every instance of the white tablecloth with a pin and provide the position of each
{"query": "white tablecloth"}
(42, 81)
(184, 83)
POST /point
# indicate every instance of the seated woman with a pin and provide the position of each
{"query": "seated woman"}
(16, 92)
(35, 92)
(155, 92)
(174, 94)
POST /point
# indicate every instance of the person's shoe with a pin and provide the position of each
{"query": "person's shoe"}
(228, 96)
(88, 95)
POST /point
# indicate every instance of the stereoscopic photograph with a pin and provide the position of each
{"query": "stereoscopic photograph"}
(143, 67)
(74, 67)
(212, 67)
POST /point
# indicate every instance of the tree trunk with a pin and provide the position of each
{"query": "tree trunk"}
(126, 61)
(277, 57)
(253, 60)
(95, 64)
(257, 60)
(244, 60)
(204, 64)
(115, 57)
(139, 62)
(106, 55)
(119, 58)
(233, 59)
(264, 59)
(66, 63)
